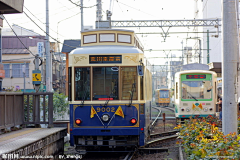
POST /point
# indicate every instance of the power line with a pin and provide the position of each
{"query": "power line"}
(46, 33)
(135, 8)
(17, 36)
(40, 20)
(81, 6)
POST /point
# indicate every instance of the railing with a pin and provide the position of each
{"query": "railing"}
(11, 109)
(38, 108)
(17, 108)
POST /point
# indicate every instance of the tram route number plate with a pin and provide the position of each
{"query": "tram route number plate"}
(105, 109)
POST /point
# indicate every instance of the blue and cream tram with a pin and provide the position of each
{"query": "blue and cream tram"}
(195, 93)
(109, 91)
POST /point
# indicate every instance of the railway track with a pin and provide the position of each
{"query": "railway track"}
(161, 143)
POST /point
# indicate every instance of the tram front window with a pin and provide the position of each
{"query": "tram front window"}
(129, 83)
(164, 94)
(105, 83)
(82, 83)
(196, 90)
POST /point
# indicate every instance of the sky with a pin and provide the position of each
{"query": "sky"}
(65, 19)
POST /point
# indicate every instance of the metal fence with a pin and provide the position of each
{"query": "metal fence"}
(17, 108)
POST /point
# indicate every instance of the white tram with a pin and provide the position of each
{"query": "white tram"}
(195, 93)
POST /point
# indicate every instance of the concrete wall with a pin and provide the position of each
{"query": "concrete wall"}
(210, 10)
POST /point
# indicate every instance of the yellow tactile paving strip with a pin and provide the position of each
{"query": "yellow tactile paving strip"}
(18, 134)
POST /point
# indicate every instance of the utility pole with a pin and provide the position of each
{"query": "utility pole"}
(81, 8)
(182, 52)
(200, 49)
(229, 65)
(36, 79)
(207, 46)
(24, 76)
(99, 10)
(48, 56)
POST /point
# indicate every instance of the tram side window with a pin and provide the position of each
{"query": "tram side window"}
(141, 88)
(82, 83)
(129, 82)
(105, 83)
(176, 90)
(69, 83)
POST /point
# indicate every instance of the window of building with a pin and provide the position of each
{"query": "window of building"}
(82, 83)
(6, 67)
(105, 83)
(17, 70)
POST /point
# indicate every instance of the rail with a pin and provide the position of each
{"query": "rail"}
(155, 121)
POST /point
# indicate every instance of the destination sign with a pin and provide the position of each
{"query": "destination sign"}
(196, 76)
(105, 59)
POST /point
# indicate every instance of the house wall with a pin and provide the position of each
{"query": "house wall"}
(13, 82)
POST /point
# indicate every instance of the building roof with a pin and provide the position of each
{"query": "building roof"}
(215, 66)
(15, 51)
(12, 42)
(71, 44)
(11, 6)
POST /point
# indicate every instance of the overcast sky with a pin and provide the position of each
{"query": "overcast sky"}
(65, 17)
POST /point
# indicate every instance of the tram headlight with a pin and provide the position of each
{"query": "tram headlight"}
(78, 121)
(133, 121)
(188, 109)
(205, 109)
(105, 117)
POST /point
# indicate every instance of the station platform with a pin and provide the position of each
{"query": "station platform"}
(32, 141)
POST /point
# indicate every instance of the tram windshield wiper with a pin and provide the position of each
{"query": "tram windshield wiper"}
(131, 93)
(192, 96)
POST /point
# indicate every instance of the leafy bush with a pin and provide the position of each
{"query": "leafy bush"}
(201, 138)
(60, 105)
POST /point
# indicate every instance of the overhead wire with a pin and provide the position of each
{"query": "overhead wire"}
(40, 20)
(135, 8)
(46, 32)
(51, 15)
(80, 5)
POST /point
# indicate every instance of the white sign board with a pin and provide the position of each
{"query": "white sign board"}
(40, 48)
(24, 68)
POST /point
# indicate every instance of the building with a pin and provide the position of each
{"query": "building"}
(174, 66)
(7, 7)
(19, 51)
(68, 46)
(15, 56)
(211, 41)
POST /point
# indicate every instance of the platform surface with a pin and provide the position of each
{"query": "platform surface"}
(17, 139)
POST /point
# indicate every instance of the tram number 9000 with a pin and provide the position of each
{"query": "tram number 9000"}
(105, 109)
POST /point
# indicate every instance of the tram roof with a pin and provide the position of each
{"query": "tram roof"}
(106, 49)
(94, 30)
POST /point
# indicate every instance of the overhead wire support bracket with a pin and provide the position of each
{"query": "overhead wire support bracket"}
(166, 23)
